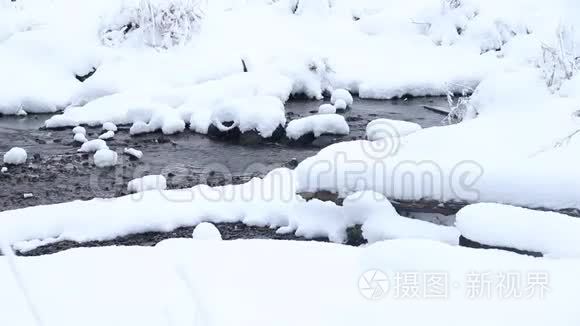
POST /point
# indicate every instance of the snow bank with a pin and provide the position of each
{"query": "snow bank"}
(271, 201)
(105, 158)
(194, 282)
(387, 128)
(554, 235)
(149, 182)
(206, 231)
(317, 125)
(15, 156)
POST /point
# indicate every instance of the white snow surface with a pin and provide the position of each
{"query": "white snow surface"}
(146, 183)
(79, 130)
(105, 158)
(388, 128)
(15, 156)
(555, 235)
(107, 135)
(80, 138)
(326, 109)
(194, 282)
(318, 125)
(206, 231)
(109, 126)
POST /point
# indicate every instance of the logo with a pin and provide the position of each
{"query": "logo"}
(373, 284)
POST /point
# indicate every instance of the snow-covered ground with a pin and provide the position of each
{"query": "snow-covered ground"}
(168, 65)
(258, 282)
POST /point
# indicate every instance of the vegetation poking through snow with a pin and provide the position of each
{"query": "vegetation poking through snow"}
(163, 23)
(460, 109)
(560, 62)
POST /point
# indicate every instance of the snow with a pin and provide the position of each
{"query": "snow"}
(555, 235)
(318, 125)
(133, 153)
(80, 138)
(107, 135)
(326, 109)
(341, 95)
(341, 104)
(109, 126)
(15, 156)
(105, 158)
(93, 146)
(194, 282)
(206, 231)
(4, 169)
(146, 183)
(387, 128)
(79, 130)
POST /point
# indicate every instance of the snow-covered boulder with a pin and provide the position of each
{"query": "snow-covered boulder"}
(80, 138)
(134, 153)
(139, 127)
(341, 94)
(340, 105)
(93, 146)
(107, 135)
(149, 182)
(15, 156)
(206, 231)
(4, 169)
(327, 109)
(387, 128)
(109, 126)
(520, 230)
(316, 125)
(79, 130)
(105, 158)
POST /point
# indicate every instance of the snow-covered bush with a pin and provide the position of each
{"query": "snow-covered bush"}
(560, 61)
(162, 23)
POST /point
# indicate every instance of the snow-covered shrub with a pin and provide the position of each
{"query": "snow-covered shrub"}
(560, 61)
(162, 23)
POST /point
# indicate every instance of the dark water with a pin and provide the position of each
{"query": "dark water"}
(56, 173)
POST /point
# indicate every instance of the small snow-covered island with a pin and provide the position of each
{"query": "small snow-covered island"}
(289, 162)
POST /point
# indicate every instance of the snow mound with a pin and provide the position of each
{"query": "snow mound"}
(318, 125)
(109, 126)
(341, 105)
(387, 129)
(206, 231)
(79, 130)
(146, 183)
(80, 138)
(133, 153)
(4, 169)
(105, 158)
(107, 135)
(327, 109)
(555, 235)
(341, 94)
(15, 156)
(93, 146)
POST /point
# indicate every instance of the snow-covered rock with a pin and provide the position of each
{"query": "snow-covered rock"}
(206, 231)
(340, 105)
(341, 94)
(109, 126)
(105, 158)
(133, 153)
(318, 125)
(15, 156)
(552, 234)
(327, 109)
(80, 138)
(140, 127)
(93, 146)
(146, 183)
(79, 130)
(387, 128)
(107, 135)
(4, 169)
